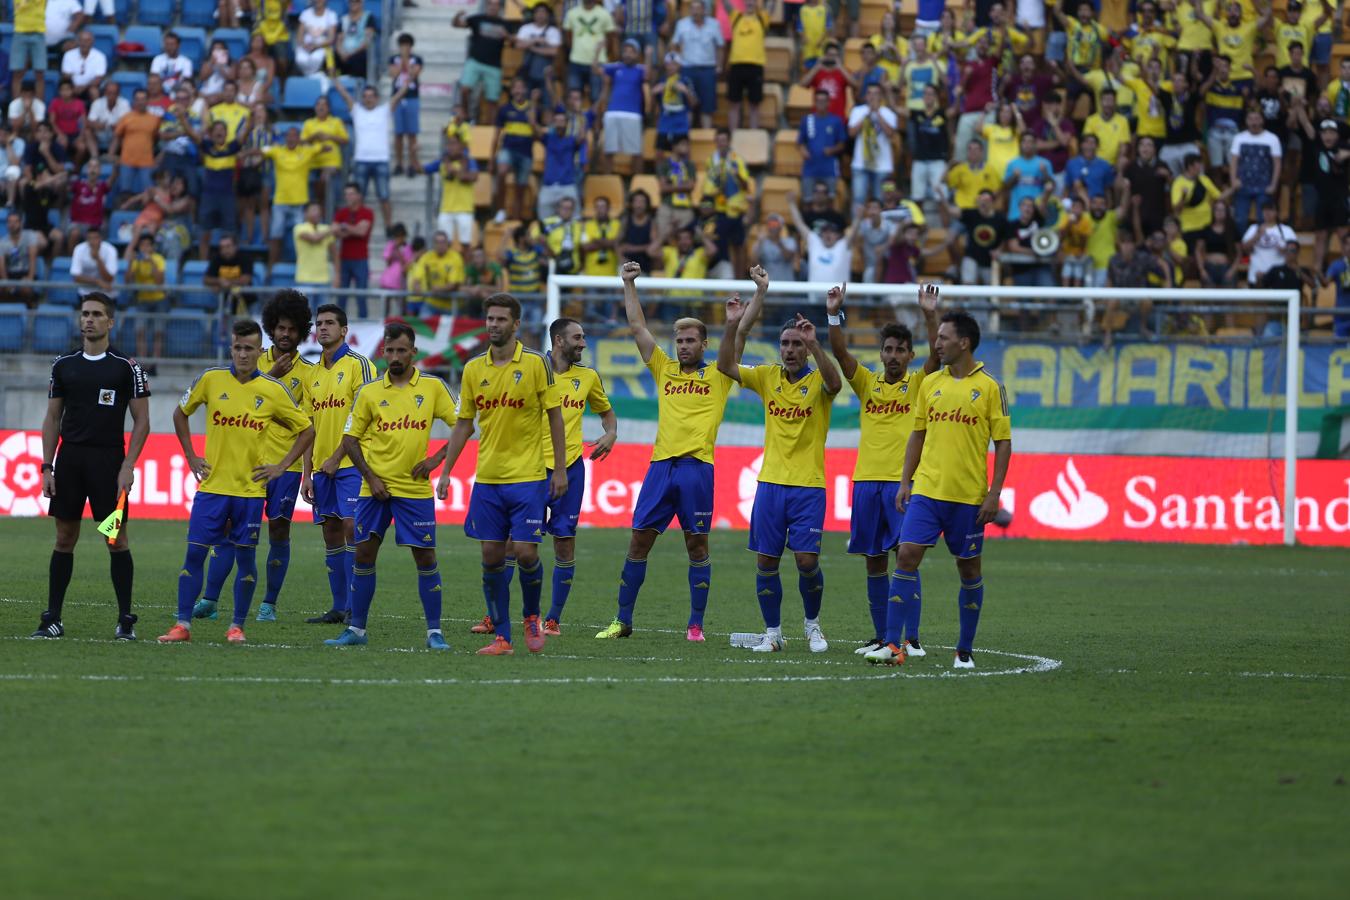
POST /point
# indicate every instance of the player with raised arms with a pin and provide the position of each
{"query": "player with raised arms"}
(945, 489)
(510, 390)
(691, 400)
(386, 437)
(241, 403)
(285, 320)
(886, 418)
(331, 482)
(789, 507)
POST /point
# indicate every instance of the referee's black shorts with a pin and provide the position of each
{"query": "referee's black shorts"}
(86, 473)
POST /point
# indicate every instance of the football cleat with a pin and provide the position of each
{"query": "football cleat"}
(49, 627)
(126, 628)
(873, 644)
(534, 634)
(500, 646)
(204, 609)
(235, 635)
(963, 660)
(913, 649)
(695, 634)
(348, 638)
(267, 612)
(887, 654)
(771, 643)
(436, 641)
(484, 627)
(178, 634)
(815, 638)
(552, 628)
(615, 629)
(332, 617)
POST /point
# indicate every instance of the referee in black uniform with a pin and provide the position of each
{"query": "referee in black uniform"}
(91, 390)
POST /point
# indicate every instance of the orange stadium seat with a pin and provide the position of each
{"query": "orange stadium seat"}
(608, 186)
(787, 159)
(752, 144)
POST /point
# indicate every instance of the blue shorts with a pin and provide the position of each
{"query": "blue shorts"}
(28, 47)
(335, 496)
(564, 512)
(366, 172)
(281, 495)
(520, 164)
(216, 210)
(219, 518)
(507, 512)
(1321, 49)
(414, 520)
(134, 179)
(704, 81)
(874, 529)
(787, 514)
(926, 518)
(284, 219)
(408, 116)
(678, 487)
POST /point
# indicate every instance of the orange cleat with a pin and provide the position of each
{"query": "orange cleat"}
(552, 628)
(235, 635)
(178, 634)
(484, 627)
(500, 646)
(534, 634)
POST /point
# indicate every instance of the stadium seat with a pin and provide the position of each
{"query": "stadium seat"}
(120, 218)
(187, 334)
(105, 39)
(648, 183)
(62, 296)
(280, 128)
(150, 38)
(773, 194)
(155, 12)
(124, 337)
(480, 142)
(194, 273)
(482, 191)
(701, 145)
(235, 40)
(6, 35)
(301, 93)
(192, 44)
(752, 145)
(608, 186)
(129, 82)
(778, 60)
(283, 276)
(787, 159)
(53, 329)
(201, 13)
(13, 327)
(337, 104)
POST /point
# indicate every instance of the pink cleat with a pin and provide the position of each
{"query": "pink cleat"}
(695, 634)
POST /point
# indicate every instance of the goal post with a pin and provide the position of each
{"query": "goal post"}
(995, 302)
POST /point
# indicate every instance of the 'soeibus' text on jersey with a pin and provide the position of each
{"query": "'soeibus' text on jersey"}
(393, 424)
(796, 419)
(575, 388)
(886, 418)
(961, 416)
(689, 406)
(280, 439)
(237, 416)
(510, 402)
(331, 390)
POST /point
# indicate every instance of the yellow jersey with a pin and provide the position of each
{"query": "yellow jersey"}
(1101, 243)
(238, 414)
(600, 262)
(393, 424)
(30, 16)
(967, 184)
(1298, 33)
(279, 439)
(886, 420)
(576, 388)
(332, 388)
(234, 115)
(689, 407)
(1193, 199)
(796, 419)
(814, 23)
(511, 402)
(1312, 11)
(1111, 135)
(747, 38)
(1238, 43)
(142, 271)
(1149, 116)
(457, 195)
(1193, 33)
(1085, 43)
(961, 416)
(438, 271)
(329, 155)
(1155, 43)
(1001, 146)
(272, 21)
(292, 172)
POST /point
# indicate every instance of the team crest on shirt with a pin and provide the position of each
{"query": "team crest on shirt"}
(107, 397)
(339, 379)
(257, 402)
(974, 395)
(700, 373)
(517, 375)
(904, 387)
(576, 384)
(803, 390)
(418, 398)
(295, 382)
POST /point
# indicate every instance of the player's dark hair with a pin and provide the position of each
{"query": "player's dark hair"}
(503, 301)
(395, 330)
(559, 326)
(900, 332)
(966, 327)
(109, 306)
(288, 304)
(245, 328)
(336, 311)
(788, 326)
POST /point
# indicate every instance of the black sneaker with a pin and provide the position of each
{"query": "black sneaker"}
(332, 617)
(50, 627)
(126, 630)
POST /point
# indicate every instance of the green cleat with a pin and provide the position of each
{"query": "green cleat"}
(615, 629)
(204, 609)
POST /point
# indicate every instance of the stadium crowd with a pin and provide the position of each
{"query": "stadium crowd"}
(1108, 143)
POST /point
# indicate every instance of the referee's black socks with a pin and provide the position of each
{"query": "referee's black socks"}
(58, 579)
(121, 567)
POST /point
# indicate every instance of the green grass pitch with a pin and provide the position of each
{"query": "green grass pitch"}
(1177, 728)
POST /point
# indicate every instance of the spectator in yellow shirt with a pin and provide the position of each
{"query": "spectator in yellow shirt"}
(146, 267)
(290, 165)
(439, 273)
(1235, 37)
(1110, 127)
(968, 179)
(600, 242)
(330, 136)
(316, 261)
(745, 61)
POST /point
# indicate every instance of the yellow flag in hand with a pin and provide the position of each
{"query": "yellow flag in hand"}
(112, 525)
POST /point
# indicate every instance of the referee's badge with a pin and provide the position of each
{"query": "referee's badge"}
(107, 397)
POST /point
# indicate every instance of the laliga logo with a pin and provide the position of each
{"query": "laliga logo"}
(747, 485)
(1072, 507)
(21, 475)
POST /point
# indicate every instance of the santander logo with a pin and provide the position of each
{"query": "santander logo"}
(1071, 507)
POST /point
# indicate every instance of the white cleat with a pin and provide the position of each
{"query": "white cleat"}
(963, 661)
(815, 638)
(913, 649)
(772, 643)
(886, 654)
(869, 647)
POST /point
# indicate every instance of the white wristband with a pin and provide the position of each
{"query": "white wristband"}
(835, 320)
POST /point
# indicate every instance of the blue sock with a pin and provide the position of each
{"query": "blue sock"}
(971, 600)
(348, 571)
(877, 587)
(335, 559)
(245, 582)
(769, 590)
(700, 582)
(217, 570)
(812, 587)
(429, 589)
(362, 594)
(563, 573)
(190, 580)
(630, 582)
(509, 570)
(278, 561)
(913, 612)
(905, 588)
(497, 593)
(531, 589)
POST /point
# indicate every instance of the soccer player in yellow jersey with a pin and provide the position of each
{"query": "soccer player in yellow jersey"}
(789, 508)
(285, 319)
(691, 398)
(578, 387)
(386, 438)
(331, 484)
(510, 391)
(241, 403)
(944, 489)
(885, 419)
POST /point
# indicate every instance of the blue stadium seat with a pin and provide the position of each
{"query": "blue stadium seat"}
(53, 329)
(236, 39)
(301, 93)
(6, 35)
(194, 272)
(199, 12)
(283, 276)
(13, 327)
(105, 39)
(129, 82)
(188, 334)
(280, 128)
(151, 38)
(337, 104)
(124, 335)
(62, 296)
(119, 218)
(192, 44)
(156, 12)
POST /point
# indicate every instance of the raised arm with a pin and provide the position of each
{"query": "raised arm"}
(834, 305)
(727, 363)
(637, 321)
(753, 311)
(828, 373)
(928, 303)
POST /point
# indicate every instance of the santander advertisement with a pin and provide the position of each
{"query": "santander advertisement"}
(1051, 496)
